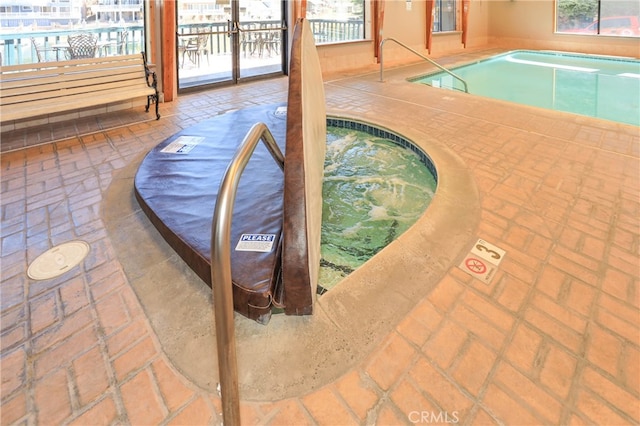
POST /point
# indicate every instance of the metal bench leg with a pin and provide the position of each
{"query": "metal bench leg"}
(154, 84)
(155, 100)
(157, 106)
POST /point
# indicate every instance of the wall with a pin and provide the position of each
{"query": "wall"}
(510, 24)
(346, 57)
(401, 24)
(529, 24)
(478, 32)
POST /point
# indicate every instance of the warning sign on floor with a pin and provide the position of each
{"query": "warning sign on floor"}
(482, 261)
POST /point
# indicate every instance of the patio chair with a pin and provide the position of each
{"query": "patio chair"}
(272, 43)
(118, 46)
(252, 41)
(82, 46)
(249, 43)
(195, 48)
(41, 51)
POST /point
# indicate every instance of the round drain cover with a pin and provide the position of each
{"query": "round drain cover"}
(58, 260)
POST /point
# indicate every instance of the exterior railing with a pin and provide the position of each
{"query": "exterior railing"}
(332, 31)
(218, 41)
(16, 47)
(324, 31)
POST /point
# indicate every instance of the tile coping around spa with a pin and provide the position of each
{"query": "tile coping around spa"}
(348, 322)
(385, 134)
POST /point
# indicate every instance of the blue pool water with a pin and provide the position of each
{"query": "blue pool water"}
(596, 86)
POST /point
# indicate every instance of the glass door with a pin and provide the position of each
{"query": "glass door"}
(222, 41)
(261, 33)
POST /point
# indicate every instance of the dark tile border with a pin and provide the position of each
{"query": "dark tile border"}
(385, 134)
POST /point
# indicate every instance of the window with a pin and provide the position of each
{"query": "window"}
(117, 28)
(604, 17)
(444, 16)
(336, 20)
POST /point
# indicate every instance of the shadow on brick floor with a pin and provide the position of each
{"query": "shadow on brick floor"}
(51, 132)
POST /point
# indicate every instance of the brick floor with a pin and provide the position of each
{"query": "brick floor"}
(553, 339)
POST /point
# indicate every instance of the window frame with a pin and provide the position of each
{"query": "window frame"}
(436, 26)
(326, 35)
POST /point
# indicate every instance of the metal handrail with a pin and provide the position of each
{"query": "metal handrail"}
(221, 267)
(466, 89)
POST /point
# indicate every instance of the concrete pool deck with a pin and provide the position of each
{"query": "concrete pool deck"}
(553, 338)
(348, 320)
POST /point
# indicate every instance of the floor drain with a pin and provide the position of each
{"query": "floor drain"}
(58, 260)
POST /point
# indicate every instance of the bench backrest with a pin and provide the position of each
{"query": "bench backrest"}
(50, 80)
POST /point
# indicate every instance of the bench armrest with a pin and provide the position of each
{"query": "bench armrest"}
(150, 73)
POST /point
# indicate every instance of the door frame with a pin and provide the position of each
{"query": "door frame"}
(233, 31)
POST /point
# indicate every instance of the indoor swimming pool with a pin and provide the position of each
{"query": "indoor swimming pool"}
(597, 86)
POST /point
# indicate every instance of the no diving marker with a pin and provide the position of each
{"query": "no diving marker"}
(482, 261)
(476, 266)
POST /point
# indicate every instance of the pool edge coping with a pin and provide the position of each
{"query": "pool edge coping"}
(334, 338)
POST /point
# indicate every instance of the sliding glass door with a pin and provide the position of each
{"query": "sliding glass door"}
(225, 41)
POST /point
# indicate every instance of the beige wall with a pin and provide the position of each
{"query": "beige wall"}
(511, 24)
(529, 24)
(478, 23)
(346, 57)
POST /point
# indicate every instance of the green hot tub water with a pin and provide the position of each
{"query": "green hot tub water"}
(373, 191)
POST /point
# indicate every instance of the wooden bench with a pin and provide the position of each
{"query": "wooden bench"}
(32, 90)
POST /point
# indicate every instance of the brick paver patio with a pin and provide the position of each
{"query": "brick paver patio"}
(553, 339)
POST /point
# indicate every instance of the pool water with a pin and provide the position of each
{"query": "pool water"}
(373, 191)
(596, 86)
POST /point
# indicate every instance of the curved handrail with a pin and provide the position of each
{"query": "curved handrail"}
(466, 89)
(221, 267)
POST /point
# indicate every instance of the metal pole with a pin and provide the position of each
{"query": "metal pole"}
(223, 311)
(431, 61)
(381, 59)
(221, 268)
